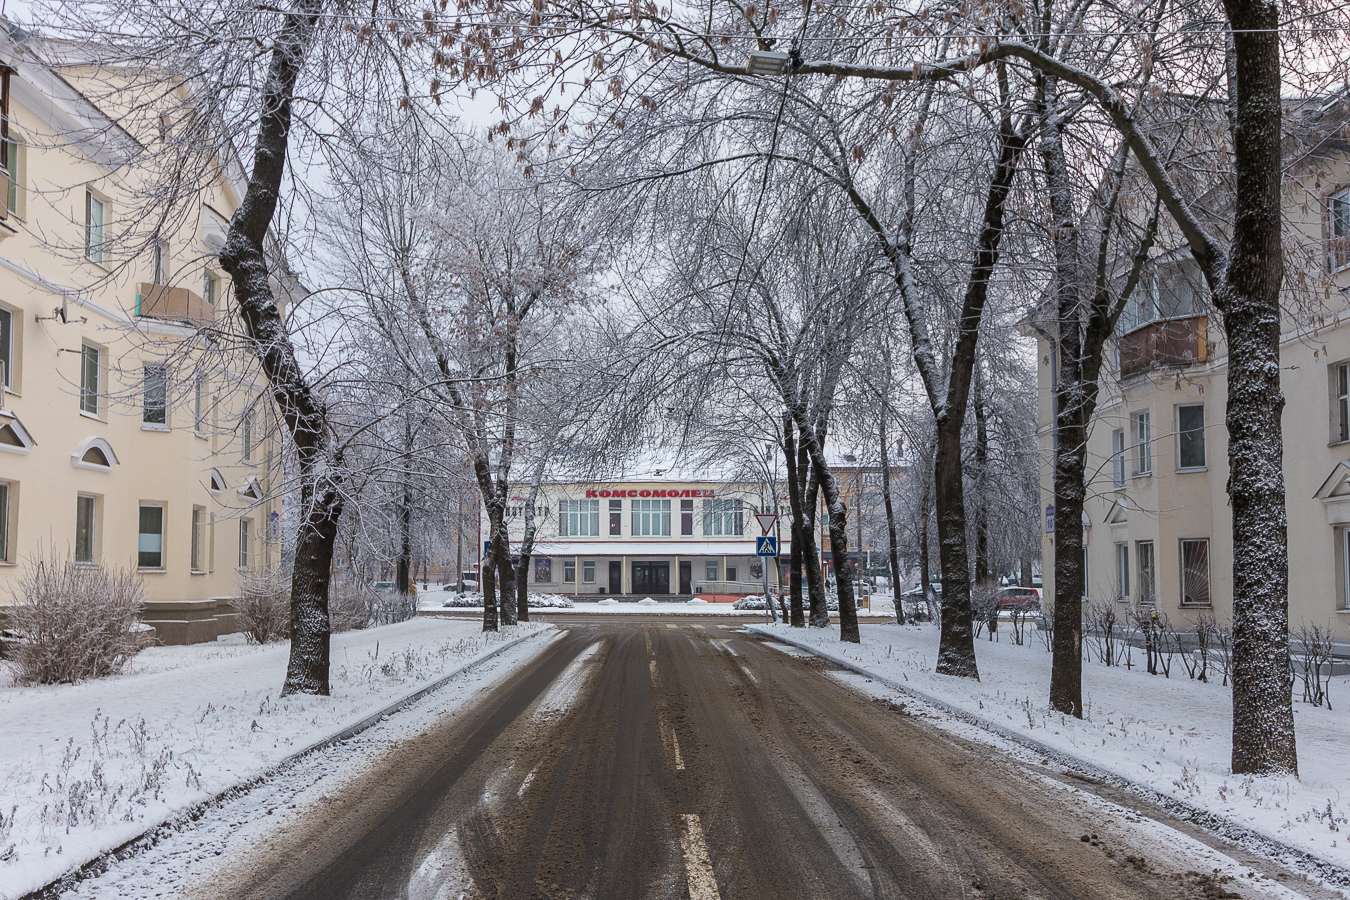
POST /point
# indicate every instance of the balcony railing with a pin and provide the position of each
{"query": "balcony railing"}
(161, 301)
(1172, 342)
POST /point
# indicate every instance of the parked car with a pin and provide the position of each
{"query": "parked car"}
(381, 586)
(1024, 599)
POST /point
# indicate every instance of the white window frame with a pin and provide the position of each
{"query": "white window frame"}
(159, 263)
(1209, 581)
(1123, 572)
(7, 493)
(91, 398)
(246, 436)
(569, 571)
(723, 518)
(1118, 452)
(199, 407)
(198, 522)
(588, 571)
(1338, 230)
(140, 535)
(160, 373)
(86, 503)
(7, 354)
(244, 545)
(210, 289)
(1146, 563)
(1141, 428)
(95, 226)
(651, 518)
(579, 518)
(1204, 450)
(712, 570)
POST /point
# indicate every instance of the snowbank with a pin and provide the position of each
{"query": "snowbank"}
(84, 768)
(1172, 735)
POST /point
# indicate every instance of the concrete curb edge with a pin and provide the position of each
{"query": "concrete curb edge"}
(1210, 821)
(175, 822)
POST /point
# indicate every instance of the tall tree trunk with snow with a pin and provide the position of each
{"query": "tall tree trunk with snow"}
(403, 581)
(244, 257)
(982, 575)
(797, 616)
(527, 546)
(893, 543)
(838, 512)
(1263, 716)
(818, 611)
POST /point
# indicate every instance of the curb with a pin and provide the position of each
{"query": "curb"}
(156, 833)
(1210, 821)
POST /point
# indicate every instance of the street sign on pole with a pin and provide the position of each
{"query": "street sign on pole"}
(766, 546)
(766, 521)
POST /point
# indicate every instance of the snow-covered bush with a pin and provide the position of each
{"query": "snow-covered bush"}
(546, 601)
(76, 620)
(264, 607)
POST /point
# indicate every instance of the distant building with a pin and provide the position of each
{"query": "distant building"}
(117, 445)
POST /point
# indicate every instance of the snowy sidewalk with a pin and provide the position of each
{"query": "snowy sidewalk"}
(87, 767)
(1170, 734)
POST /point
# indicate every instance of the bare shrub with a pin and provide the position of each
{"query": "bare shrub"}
(1047, 624)
(76, 621)
(264, 607)
(1161, 640)
(350, 606)
(984, 608)
(1197, 663)
(1104, 632)
(1315, 647)
(1223, 636)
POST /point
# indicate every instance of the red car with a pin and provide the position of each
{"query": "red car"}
(1026, 599)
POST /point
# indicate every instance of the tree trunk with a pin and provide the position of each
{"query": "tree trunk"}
(893, 543)
(982, 575)
(304, 414)
(925, 512)
(838, 511)
(1263, 716)
(818, 612)
(798, 618)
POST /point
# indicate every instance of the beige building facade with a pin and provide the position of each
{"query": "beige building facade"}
(123, 441)
(1158, 529)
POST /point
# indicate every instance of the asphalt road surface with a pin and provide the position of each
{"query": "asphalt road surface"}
(654, 759)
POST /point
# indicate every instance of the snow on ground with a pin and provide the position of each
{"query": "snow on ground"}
(84, 768)
(1171, 734)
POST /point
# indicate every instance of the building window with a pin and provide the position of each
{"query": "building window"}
(1338, 230)
(1123, 573)
(616, 518)
(1118, 458)
(1147, 573)
(198, 514)
(686, 517)
(569, 571)
(199, 406)
(159, 263)
(1191, 436)
(4, 521)
(731, 573)
(723, 517)
(651, 518)
(243, 543)
(91, 373)
(579, 518)
(246, 435)
(95, 218)
(11, 164)
(84, 528)
(588, 571)
(543, 569)
(155, 394)
(1143, 447)
(6, 350)
(209, 288)
(710, 570)
(1195, 572)
(150, 543)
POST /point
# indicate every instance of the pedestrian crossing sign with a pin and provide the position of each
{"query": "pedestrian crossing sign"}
(766, 545)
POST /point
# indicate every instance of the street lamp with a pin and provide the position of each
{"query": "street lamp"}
(766, 62)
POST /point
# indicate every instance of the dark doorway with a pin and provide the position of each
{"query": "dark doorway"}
(651, 578)
(615, 576)
(686, 577)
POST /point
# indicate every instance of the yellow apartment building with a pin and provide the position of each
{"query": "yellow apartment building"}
(1157, 526)
(122, 440)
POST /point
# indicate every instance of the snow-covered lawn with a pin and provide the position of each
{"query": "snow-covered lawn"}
(84, 768)
(1173, 735)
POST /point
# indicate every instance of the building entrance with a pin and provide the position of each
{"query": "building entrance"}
(651, 578)
(686, 576)
(615, 577)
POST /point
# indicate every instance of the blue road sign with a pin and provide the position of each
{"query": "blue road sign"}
(766, 545)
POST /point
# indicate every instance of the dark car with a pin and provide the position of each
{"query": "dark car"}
(1024, 599)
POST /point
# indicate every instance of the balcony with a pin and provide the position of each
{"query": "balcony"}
(1170, 342)
(160, 301)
